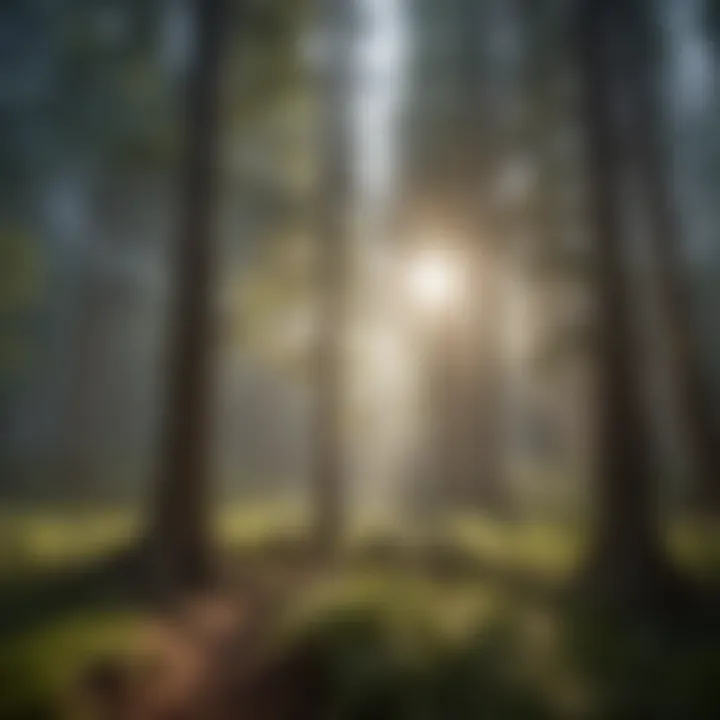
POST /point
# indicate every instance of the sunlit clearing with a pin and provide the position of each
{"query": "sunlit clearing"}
(434, 280)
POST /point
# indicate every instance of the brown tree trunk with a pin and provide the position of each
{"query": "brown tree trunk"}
(690, 373)
(181, 527)
(626, 565)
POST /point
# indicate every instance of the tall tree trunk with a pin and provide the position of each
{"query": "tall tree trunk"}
(626, 563)
(488, 239)
(181, 529)
(332, 277)
(690, 371)
(486, 437)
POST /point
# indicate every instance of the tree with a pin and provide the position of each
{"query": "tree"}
(492, 123)
(181, 533)
(626, 563)
(332, 279)
(689, 368)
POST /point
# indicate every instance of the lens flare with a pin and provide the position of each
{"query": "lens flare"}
(434, 281)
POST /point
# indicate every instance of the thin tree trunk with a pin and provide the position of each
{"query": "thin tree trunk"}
(181, 531)
(488, 228)
(626, 563)
(487, 477)
(689, 369)
(332, 277)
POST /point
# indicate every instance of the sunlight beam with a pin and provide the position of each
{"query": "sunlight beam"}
(434, 281)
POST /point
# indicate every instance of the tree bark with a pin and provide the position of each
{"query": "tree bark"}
(181, 523)
(690, 372)
(489, 228)
(626, 564)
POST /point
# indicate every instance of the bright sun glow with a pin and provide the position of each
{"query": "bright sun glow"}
(434, 280)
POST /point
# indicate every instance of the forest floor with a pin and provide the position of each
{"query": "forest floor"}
(475, 625)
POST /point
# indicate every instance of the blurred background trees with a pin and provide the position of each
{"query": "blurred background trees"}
(404, 298)
(351, 137)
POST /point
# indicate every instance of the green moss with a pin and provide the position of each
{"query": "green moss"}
(391, 639)
(39, 669)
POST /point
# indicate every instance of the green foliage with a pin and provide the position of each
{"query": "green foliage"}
(264, 61)
(386, 641)
(39, 670)
(393, 648)
(403, 647)
(34, 542)
(388, 653)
